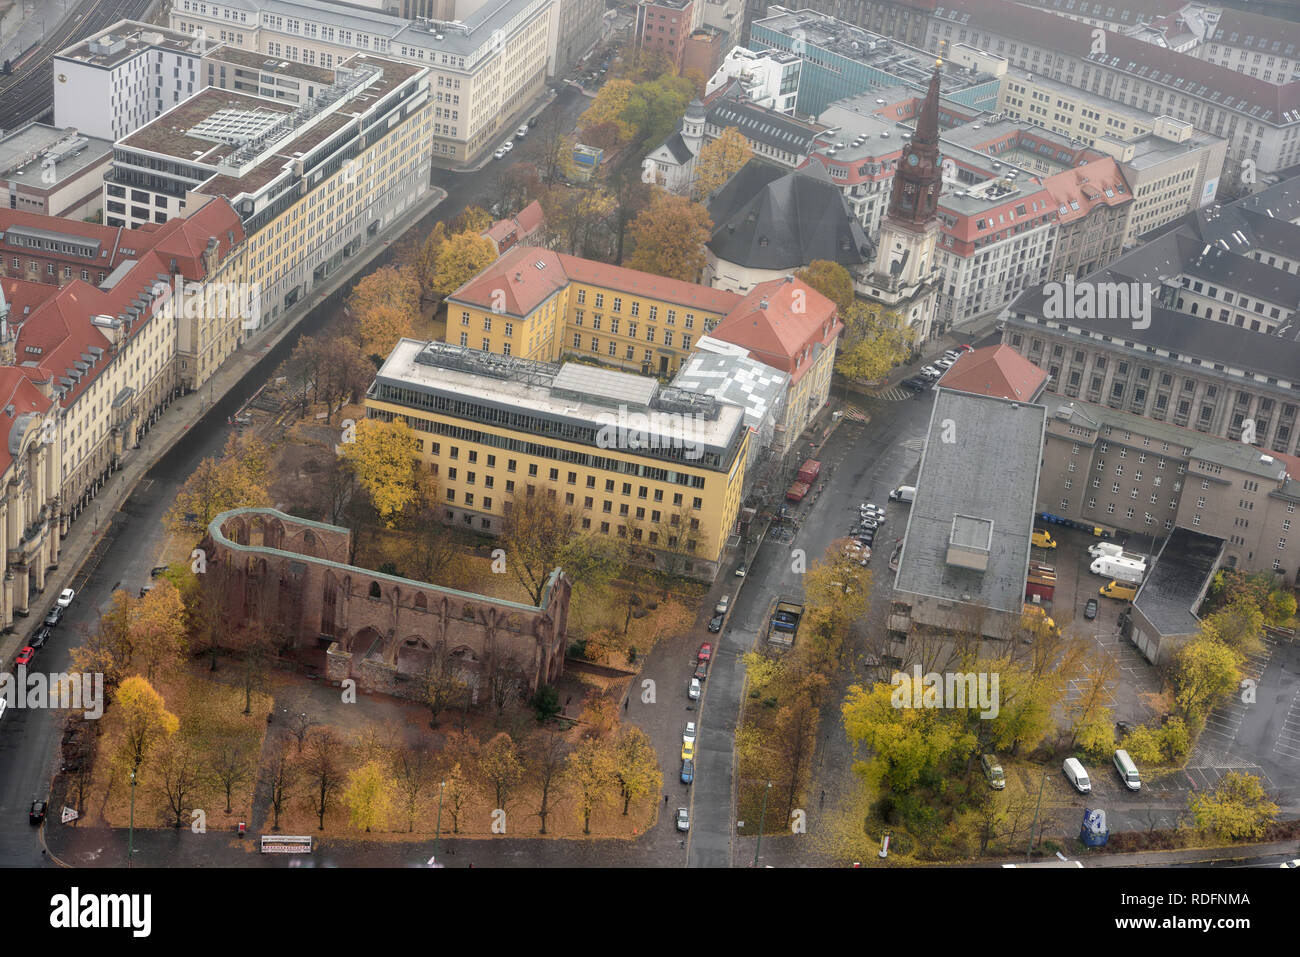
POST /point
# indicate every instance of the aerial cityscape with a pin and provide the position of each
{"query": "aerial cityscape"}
(650, 433)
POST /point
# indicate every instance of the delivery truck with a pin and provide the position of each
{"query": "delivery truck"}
(1119, 569)
(904, 493)
(1103, 549)
(796, 492)
(783, 624)
(809, 471)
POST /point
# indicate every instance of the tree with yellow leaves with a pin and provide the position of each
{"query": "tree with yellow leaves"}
(382, 455)
(875, 341)
(720, 160)
(426, 260)
(668, 238)
(462, 257)
(831, 280)
(236, 480)
(369, 796)
(158, 627)
(608, 107)
(386, 304)
(473, 219)
(145, 720)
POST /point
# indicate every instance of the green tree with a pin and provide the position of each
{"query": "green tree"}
(1238, 809)
(831, 280)
(1205, 671)
(875, 340)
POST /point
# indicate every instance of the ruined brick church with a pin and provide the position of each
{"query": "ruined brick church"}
(292, 576)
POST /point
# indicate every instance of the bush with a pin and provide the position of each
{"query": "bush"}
(546, 702)
(578, 649)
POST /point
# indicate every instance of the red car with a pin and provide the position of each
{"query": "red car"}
(706, 652)
(25, 656)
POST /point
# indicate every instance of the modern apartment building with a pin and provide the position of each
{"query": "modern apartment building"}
(768, 78)
(53, 172)
(663, 26)
(659, 467)
(486, 70)
(1114, 468)
(124, 76)
(311, 184)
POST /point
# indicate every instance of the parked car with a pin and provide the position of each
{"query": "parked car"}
(688, 771)
(952, 354)
(688, 749)
(930, 372)
(872, 508)
(706, 652)
(1295, 863)
(508, 145)
(41, 636)
(25, 656)
(157, 570)
(915, 383)
(1090, 609)
(693, 690)
(683, 819)
(499, 153)
(992, 769)
(689, 733)
(740, 570)
(65, 597)
(521, 132)
(715, 623)
(966, 347)
(1076, 775)
(701, 670)
(36, 814)
(54, 616)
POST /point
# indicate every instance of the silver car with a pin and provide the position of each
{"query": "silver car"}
(683, 819)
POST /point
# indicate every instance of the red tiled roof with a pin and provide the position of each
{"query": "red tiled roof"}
(521, 285)
(522, 228)
(1074, 38)
(19, 395)
(59, 331)
(1291, 462)
(781, 322)
(24, 296)
(1085, 186)
(995, 370)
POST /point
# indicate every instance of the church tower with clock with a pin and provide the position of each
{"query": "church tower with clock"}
(904, 277)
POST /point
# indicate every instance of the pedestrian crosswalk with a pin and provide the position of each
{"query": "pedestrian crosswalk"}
(853, 414)
(895, 394)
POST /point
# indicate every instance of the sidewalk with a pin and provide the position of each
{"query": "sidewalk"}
(937, 347)
(179, 417)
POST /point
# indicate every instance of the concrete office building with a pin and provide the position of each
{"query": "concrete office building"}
(496, 429)
(487, 70)
(53, 172)
(124, 76)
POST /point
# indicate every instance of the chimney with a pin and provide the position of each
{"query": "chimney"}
(762, 304)
(519, 277)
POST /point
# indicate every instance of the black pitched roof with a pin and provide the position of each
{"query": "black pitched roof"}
(771, 219)
(677, 146)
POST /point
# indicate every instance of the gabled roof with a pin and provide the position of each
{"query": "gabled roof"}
(1082, 189)
(524, 226)
(767, 219)
(784, 323)
(996, 370)
(18, 398)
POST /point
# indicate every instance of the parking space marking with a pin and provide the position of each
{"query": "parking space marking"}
(1288, 739)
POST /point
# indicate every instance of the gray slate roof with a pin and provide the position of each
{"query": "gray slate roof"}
(1175, 581)
(994, 438)
(767, 218)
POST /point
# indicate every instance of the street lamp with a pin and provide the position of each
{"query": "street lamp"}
(761, 819)
(437, 834)
(130, 834)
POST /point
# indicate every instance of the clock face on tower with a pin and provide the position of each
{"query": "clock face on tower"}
(912, 160)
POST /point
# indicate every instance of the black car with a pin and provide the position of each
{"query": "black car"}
(54, 617)
(715, 623)
(41, 636)
(867, 540)
(1090, 609)
(37, 813)
(157, 570)
(914, 383)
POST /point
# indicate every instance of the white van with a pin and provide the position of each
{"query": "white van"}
(1128, 772)
(1076, 775)
(904, 493)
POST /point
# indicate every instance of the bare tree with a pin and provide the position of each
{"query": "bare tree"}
(179, 776)
(283, 777)
(323, 769)
(230, 765)
(546, 756)
(413, 770)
